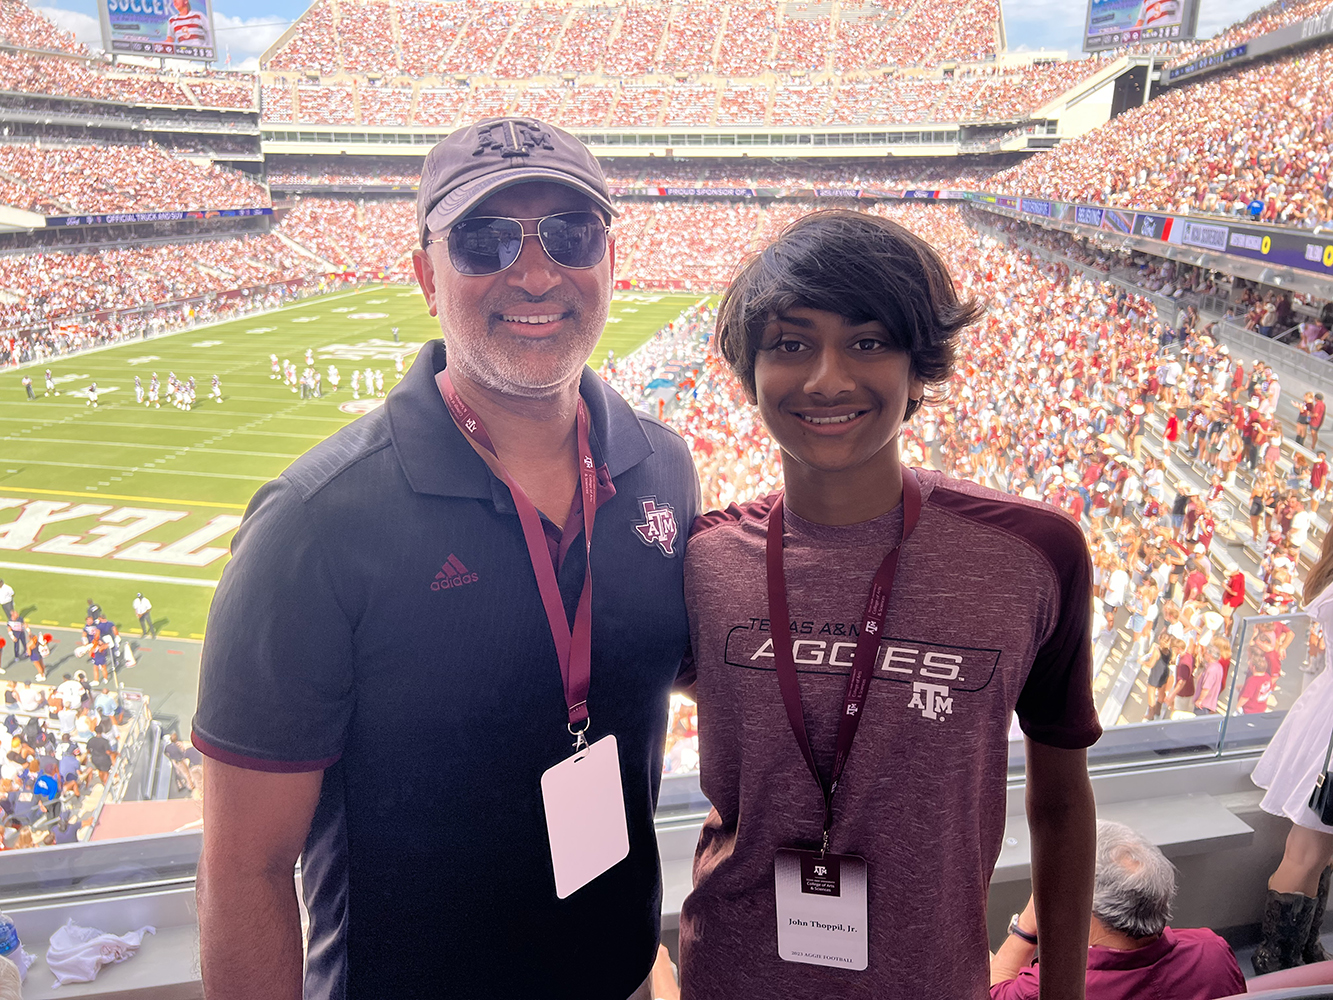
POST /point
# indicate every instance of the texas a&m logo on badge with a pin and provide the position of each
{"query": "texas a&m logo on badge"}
(659, 525)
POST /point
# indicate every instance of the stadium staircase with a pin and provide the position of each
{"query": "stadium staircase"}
(194, 98)
(305, 251)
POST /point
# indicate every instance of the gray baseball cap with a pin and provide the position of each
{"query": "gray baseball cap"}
(472, 163)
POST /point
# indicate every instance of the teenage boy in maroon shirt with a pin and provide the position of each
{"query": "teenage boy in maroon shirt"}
(837, 331)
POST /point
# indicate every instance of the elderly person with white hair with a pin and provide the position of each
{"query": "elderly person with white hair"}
(1131, 950)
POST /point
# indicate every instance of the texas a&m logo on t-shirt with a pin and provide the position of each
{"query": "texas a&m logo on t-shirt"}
(935, 672)
(659, 525)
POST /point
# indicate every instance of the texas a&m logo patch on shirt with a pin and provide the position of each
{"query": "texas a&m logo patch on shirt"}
(659, 525)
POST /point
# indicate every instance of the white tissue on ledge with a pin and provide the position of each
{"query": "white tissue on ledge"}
(77, 953)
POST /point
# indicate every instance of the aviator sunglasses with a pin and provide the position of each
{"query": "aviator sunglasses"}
(488, 244)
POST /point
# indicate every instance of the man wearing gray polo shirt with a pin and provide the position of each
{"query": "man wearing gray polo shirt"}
(495, 553)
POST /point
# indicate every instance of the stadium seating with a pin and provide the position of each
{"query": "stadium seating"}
(385, 105)
(1253, 134)
(754, 45)
(927, 172)
(325, 105)
(373, 234)
(1270, 17)
(746, 48)
(21, 26)
(77, 180)
(51, 291)
(480, 41)
(803, 41)
(427, 30)
(440, 107)
(50, 76)
(585, 41)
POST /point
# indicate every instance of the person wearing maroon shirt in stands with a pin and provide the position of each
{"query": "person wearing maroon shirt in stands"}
(1233, 595)
(1254, 696)
(1316, 419)
(1194, 583)
(1319, 480)
(1132, 953)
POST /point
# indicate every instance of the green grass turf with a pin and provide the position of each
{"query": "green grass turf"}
(126, 462)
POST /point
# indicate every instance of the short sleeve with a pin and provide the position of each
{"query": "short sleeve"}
(1025, 986)
(275, 680)
(1055, 706)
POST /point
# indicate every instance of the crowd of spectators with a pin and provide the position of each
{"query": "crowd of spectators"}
(62, 741)
(53, 76)
(631, 39)
(1253, 141)
(358, 234)
(427, 30)
(803, 40)
(1269, 17)
(861, 100)
(343, 171)
(1072, 392)
(59, 302)
(23, 27)
(325, 105)
(930, 173)
(83, 179)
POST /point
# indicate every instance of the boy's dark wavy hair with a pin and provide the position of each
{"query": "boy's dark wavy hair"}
(860, 266)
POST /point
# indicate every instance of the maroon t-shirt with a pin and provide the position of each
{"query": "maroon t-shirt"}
(1186, 964)
(990, 615)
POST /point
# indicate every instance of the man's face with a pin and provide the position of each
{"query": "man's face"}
(182, 6)
(833, 393)
(488, 320)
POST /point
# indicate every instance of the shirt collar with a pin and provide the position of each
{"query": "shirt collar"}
(1140, 958)
(438, 460)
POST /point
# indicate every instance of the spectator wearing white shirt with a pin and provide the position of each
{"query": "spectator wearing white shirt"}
(7, 598)
(70, 692)
(1117, 588)
(143, 607)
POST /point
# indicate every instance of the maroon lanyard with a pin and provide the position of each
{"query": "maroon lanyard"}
(867, 644)
(573, 648)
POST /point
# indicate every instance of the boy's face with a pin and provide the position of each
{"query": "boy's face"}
(832, 393)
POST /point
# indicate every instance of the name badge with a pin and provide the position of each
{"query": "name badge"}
(822, 910)
(585, 815)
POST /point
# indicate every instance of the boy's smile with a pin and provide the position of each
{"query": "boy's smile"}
(832, 391)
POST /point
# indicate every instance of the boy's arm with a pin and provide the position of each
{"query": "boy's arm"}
(1062, 819)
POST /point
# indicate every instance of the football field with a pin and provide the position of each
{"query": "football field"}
(102, 503)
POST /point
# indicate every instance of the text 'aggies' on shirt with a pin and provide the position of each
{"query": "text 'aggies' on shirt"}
(935, 670)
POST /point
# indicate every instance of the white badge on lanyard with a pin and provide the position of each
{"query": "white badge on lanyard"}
(822, 909)
(583, 796)
(585, 815)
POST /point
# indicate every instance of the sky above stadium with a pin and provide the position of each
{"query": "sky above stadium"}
(247, 27)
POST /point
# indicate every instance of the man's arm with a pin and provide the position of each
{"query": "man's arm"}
(255, 826)
(1062, 820)
(1015, 953)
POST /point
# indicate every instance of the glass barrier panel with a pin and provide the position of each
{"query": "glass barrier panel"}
(1276, 657)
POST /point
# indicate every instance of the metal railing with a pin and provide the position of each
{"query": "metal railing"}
(1315, 369)
(131, 744)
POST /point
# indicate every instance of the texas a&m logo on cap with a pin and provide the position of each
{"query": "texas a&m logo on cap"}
(512, 137)
(659, 525)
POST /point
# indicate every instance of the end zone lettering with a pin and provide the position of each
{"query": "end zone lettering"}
(114, 535)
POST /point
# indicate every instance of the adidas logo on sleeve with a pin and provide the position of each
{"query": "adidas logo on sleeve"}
(452, 574)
